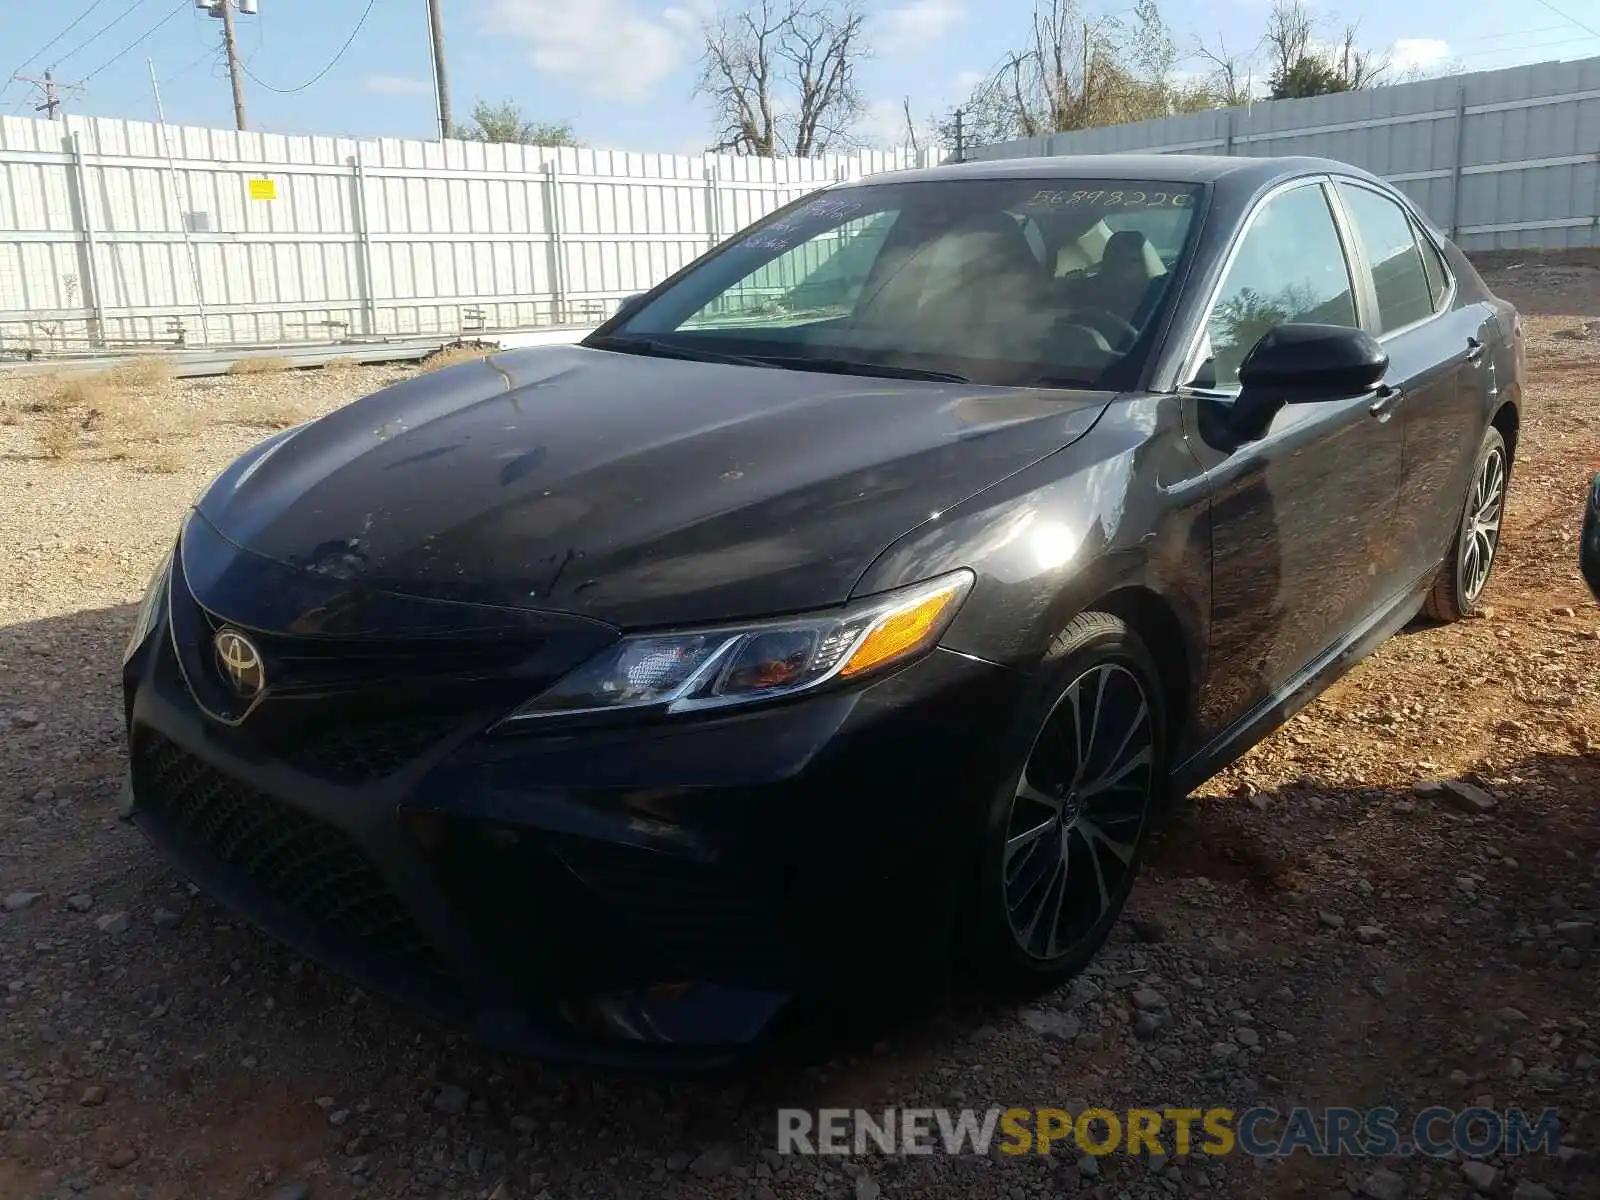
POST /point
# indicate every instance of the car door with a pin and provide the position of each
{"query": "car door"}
(1437, 362)
(1300, 515)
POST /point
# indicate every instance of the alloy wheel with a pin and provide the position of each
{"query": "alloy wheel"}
(1481, 538)
(1078, 811)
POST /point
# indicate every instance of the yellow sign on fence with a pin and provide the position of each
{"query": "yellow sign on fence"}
(263, 189)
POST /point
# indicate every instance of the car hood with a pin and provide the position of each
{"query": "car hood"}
(633, 490)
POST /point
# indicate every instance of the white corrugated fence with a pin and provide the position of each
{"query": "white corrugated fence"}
(117, 233)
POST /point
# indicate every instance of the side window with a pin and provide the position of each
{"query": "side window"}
(1290, 267)
(1404, 293)
(1438, 274)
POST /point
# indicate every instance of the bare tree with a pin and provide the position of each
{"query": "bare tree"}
(1077, 72)
(912, 139)
(781, 75)
(1357, 67)
(1232, 78)
(1290, 32)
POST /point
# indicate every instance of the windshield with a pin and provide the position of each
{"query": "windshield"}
(1015, 282)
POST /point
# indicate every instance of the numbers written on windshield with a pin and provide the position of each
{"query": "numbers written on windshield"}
(1059, 201)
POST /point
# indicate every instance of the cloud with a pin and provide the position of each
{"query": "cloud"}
(397, 85)
(1419, 54)
(917, 23)
(621, 50)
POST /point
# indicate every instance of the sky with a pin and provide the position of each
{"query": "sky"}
(622, 71)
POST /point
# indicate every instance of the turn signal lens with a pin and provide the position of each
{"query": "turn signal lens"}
(905, 632)
(759, 660)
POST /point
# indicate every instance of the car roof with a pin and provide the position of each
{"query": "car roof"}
(1236, 174)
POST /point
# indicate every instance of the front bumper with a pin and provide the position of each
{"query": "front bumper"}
(645, 896)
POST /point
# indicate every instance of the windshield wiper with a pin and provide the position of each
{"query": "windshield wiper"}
(850, 366)
(659, 349)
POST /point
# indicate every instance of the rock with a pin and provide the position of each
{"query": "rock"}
(113, 923)
(1511, 1016)
(80, 902)
(165, 918)
(714, 1161)
(291, 1191)
(1148, 1000)
(1573, 933)
(1384, 1185)
(1146, 1025)
(1529, 1190)
(1330, 920)
(25, 718)
(1569, 957)
(679, 1160)
(1480, 1175)
(17, 901)
(867, 1188)
(1247, 1037)
(1370, 934)
(1466, 797)
(122, 1156)
(1148, 929)
(1459, 1078)
(1428, 789)
(1047, 1022)
(1089, 1167)
(338, 1117)
(93, 1096)
(451, 1099)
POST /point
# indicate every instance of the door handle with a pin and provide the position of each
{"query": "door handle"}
(1388, 400)
(1474, 350)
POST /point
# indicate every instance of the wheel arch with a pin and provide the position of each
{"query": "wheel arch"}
(1508, 420)
(1159, 627)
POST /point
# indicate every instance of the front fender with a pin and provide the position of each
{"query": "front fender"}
(1123, 508)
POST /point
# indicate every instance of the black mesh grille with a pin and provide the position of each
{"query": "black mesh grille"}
(709, 922)
(302, 862)
(367, 750)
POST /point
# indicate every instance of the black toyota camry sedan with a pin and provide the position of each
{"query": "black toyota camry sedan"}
(855, 600)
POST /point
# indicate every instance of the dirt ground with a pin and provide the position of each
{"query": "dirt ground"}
(1316, 927)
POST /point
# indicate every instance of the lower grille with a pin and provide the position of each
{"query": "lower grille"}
(367, 749)
(708, 922)
(302, 862)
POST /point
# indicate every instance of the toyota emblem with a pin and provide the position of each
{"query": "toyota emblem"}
(240, 662)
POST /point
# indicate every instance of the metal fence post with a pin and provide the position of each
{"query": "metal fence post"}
(96, 334)
(369, 294)
(1461, 154)
(713, 207)
(1233, 120)
(558, 253)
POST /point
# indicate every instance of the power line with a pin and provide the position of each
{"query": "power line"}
(343, 50)
(1570, 17)
(39, 53)
(103, 30)
(140, 40)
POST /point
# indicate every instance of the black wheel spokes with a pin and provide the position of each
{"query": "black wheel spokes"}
(1078, 811)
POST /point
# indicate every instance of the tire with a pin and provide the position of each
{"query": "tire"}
(1047, 828)
(1464, 577)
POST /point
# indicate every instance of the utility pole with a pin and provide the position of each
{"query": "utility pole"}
(441, 77)
(50, 90)
(961, 136)
(232, 45)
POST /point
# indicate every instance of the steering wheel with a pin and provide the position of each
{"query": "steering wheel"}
(1104, 321)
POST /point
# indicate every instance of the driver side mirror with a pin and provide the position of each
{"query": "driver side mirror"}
(1304, 364)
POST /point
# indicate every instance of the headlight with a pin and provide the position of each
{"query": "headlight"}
(151, 608)
(737, 664)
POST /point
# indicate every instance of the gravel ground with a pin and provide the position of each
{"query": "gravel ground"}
(1322, 925)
